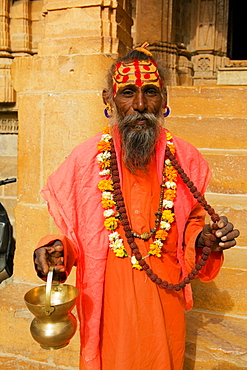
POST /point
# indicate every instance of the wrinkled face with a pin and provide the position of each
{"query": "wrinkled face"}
(137, 88)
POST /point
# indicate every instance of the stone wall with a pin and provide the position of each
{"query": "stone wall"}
(59, 105)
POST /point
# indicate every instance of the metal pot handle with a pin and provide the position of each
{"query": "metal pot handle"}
(48, 308)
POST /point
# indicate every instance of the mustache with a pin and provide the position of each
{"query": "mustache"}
(138, 140)
(132, 119)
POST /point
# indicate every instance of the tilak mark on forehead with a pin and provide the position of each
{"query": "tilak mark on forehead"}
(136, 72)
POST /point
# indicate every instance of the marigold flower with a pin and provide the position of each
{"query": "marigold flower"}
(171, 173)
(154, 250)
(106, 130)
(172, 148)
(103, 146)
(111, 223)
(107, 203)
(168, 136)
(168, 216)
(161, 234)
(137, 266)
(120, 252)
(105, 185)
(170, 194)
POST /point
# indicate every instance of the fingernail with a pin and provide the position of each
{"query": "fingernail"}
(218, 234)
(224, 238)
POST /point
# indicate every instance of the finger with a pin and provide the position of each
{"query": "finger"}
(42, 264)
(231, 235)
(54, 249)
(227, 245)
(59, 268)
(222, 222)
(225, 230)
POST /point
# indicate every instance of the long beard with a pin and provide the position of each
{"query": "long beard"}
(138, 140)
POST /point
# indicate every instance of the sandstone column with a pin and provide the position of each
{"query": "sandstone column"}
(59, 106)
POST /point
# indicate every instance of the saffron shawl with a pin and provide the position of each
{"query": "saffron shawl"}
(74, 202)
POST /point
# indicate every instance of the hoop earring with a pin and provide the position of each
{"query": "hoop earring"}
(167, 112)
(108, 111)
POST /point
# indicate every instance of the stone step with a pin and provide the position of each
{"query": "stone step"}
(228, 133)
(18, 350)
(215, 342)
(215, 101)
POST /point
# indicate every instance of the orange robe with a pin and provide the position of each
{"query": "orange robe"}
(142, 326)
(75, 205)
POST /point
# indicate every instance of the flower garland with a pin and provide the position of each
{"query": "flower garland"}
(168, 194)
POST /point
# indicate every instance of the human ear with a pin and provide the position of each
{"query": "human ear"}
(105, 97)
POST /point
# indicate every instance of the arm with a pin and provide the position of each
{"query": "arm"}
(197, 234)
(55, 250)
(194, 227)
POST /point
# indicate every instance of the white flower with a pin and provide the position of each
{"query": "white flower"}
(106, 137)
(108, 213)
(114, 236)
(168, 162)
(167, 203)
(103, 156)
(133, 260)
(170, 185)
(107, 195)
(116, 244)
(104, 173)
(159, 243)
(165, 225)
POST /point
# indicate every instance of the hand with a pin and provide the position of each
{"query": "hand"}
(50, 255)
(226, 235)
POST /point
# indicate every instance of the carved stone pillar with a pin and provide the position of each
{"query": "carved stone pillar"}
(155, 27)
(210, 42)
(20, 28)
(86, 27)
(4, 28)
(6, 91)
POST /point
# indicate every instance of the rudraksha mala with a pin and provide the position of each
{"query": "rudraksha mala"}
(120, 206)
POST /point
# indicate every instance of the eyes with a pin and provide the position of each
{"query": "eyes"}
(130, 92)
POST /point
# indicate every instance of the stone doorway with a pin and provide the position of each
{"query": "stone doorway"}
(237, 29)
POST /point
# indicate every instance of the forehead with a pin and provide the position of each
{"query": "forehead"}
(137, 73)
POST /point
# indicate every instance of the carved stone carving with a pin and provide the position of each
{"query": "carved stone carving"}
(8, 125)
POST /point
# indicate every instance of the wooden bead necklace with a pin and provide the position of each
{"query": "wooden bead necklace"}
(130, 235)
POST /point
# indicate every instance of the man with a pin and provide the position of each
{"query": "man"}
(124, 202)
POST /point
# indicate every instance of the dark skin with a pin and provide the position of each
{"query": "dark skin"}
(129, 100)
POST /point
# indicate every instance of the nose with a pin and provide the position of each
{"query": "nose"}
(139, 103)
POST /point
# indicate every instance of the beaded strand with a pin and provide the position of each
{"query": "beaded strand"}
(120, 205)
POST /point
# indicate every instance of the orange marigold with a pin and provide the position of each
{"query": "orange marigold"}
(170, 194)
(154, 250)
(172, 148)
(111, 223)
(106, 130)
(104, 146)
(168, 216)
(104, 185)
(161, 234)
(107, 203)
(171, 173)
(168, 136)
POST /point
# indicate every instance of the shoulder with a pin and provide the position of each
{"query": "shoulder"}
(187, 153)
(86, 150)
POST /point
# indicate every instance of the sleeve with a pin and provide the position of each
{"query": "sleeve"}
(70, 255)
(193, 254)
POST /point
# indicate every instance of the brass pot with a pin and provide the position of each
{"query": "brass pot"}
(51, 304)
